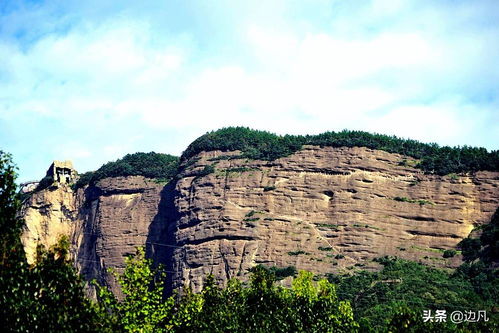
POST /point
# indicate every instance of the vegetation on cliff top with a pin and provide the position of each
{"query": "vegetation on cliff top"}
(150, 165)
(49, 296)
(263, 145)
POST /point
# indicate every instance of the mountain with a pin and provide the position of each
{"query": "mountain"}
(329, 203)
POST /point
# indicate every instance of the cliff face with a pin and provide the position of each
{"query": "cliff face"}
(105, 222)
(115, 217)
(49, 214)
(321, 209)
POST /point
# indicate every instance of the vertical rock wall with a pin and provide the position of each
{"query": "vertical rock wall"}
(321, 209)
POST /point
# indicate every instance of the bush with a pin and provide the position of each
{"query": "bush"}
(208, 169)
(280, 273)
(470, 248)
(449, 253)
(421, 202)
(296, 253)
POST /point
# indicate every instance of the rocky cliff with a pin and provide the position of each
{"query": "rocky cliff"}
(105, 222)
(321, 209)
(49, 215)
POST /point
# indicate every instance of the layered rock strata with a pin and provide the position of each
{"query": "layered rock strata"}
(105, 223)
(321, 209)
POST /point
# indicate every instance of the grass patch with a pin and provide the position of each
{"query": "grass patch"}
(225, 158)
(297, 253)
(421, 202)
(325, 225)
(328, 248)
(251, 219)
(356, 225)
(240, 170)
(161, 180)
(426, 249)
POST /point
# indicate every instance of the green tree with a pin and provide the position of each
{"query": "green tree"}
(264, 307)
(263, 145)
(142, 308)
(149, 165)
(46, 297)
(11, 250)
(15, 301)
(317, 306)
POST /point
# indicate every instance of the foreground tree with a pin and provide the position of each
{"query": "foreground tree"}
(142, 308)
(46, 297)
(260, 306)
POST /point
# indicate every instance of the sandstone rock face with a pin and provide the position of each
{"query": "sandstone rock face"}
(321, 209)
(116, 217)
(49, 214)
(105, 222)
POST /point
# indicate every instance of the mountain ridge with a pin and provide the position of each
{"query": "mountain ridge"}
(326, 209)
(256, 144)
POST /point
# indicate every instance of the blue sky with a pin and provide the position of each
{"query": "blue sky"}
(93, 80)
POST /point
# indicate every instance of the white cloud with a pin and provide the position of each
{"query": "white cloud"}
(397, 67)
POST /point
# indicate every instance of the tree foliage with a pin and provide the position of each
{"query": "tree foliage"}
(150, 165)
(260, 306)
(142, 309)
(484, 248)
(45, 297)
(11, 250)
(49, 296)
(264, 145)
(380, 299)
(268, 146)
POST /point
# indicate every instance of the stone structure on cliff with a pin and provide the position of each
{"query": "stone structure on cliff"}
(321, 209)
(62, 172)
(50, 213)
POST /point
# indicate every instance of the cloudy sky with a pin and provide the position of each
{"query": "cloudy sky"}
(93, 80)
